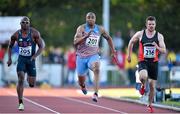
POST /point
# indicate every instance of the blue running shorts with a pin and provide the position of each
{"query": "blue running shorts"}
(84, 63)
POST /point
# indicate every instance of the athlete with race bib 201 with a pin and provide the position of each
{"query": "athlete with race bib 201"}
(86, 41)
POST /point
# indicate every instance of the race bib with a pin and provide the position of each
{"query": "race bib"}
(25, 51)
(92, 41)
(149, 52)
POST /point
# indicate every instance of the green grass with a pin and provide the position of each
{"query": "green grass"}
(134, 98)
(172, 103)
(168, 102)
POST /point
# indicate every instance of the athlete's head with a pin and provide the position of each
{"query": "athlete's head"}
(25, 23)
(151, 23)
(91, 18)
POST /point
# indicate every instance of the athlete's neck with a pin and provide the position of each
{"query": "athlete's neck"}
(90, 26)
(25, 31)
(150, 33)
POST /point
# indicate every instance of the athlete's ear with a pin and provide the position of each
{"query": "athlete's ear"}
(145, 24)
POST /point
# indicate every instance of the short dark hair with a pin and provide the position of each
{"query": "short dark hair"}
(150, 18)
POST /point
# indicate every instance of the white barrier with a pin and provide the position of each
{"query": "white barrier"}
(174, 73)
(54, 72)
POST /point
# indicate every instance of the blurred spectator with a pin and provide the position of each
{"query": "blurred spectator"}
(56, 55)
(178, 58)
(163, 60)
(171, 56)
(2, 53)
(118, 41)
(51, 54)
(131, 32)
(71, 66)
(131, 68)
(120, 62)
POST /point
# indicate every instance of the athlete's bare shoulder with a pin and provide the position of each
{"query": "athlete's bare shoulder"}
(15, 35)
(80, 30)
(101, 29)
(138, 35)
(160, 36)
(34, 30)
(81, 27)
(35, 33)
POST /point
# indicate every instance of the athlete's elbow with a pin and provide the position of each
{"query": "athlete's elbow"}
(75, 41)
(165, 51)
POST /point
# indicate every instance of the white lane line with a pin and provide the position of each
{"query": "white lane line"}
(89, 93)
(84, 102)
(35, 103)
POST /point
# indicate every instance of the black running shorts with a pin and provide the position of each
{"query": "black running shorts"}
(151, 67)
(27, 66)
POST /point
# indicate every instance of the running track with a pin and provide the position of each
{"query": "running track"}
(63, 101)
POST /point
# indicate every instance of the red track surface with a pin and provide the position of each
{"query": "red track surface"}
(66, 101)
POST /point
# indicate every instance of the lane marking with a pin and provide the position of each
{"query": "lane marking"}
(35, 103)
(89, 93)
(84, 102)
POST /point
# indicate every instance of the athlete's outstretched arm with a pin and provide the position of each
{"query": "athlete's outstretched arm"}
(40, 42)
(132, 41)
(108, 38)
(162, 46)
(11, 44)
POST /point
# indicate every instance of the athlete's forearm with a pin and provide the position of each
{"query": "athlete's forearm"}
(111, 45)
(9, 53)
(130, 47)
(39, 51)
(162, 50)
(79, 40)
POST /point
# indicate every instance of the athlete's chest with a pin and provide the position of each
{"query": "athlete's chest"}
(25, 40)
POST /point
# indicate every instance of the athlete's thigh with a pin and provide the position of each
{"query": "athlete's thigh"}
(81, 66)
(94, 62)
(143, 73)
(31, 80)
(21, 75)
(153, 70)
(31, 68)
(143, 69)
(21, 65)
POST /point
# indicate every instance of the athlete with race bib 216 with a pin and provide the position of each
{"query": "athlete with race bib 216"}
(151, 44)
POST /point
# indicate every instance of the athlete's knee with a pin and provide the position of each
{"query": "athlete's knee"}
(151, 86)
(81, 83)
(31, 85)
(20, 81)
(143, 77)
(81, 80)
(96, 68)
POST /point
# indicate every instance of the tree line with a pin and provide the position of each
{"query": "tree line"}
(57, 20)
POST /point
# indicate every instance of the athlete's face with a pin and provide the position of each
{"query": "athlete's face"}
(150, 25)
(91, 19)
(25, 23)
